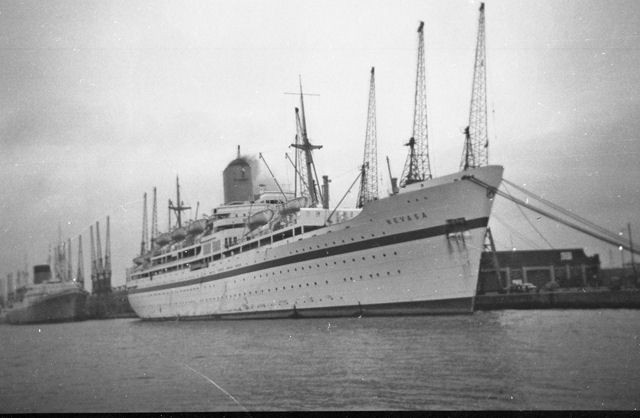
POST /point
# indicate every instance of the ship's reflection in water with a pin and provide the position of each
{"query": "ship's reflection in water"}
(490, 360)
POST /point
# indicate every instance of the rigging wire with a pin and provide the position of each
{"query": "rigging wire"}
(515, 232)
(529, 220)
(566, 212)
(609, 240)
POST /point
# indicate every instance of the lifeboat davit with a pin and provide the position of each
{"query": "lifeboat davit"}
(294, 205)
(260, 218)
(163, 239)
(178, 234)
(196, 227)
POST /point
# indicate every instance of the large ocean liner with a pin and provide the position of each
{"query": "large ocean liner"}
(274, 254)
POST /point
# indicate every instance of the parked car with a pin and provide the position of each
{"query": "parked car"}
(517, 286)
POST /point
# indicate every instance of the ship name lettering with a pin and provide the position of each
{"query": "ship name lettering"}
(400, 219)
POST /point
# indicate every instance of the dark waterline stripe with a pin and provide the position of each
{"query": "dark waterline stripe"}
(321, 253)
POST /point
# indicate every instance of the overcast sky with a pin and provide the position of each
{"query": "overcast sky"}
(103, 100)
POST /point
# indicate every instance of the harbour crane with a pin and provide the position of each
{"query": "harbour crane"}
(106, 276)
(417, 167)
(80, 274)
(369, 177)
(476, 146)
(94, 262)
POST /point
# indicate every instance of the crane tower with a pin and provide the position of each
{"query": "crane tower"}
(476, 146)
(106, 277)
(369, 177)
(80, 275)
(417, 167)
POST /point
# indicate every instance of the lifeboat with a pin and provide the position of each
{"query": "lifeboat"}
(178, 234)
(138, 260)
(260, 218)
(163, 239)
(196, 227)
(294, 205)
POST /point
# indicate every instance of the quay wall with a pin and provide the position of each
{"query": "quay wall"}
(578, 299)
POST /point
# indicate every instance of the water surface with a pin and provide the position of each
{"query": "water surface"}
(551, 359)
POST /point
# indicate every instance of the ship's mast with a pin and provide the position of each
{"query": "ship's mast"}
(307, 148)
(369, 177)
(476, 146)
(417, 167)
(179, 207)
(145, 231)
(154, 220)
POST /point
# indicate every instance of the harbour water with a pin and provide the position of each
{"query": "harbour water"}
(522, 360)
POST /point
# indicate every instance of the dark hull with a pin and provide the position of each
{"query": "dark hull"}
(435, 307)
(67, 306)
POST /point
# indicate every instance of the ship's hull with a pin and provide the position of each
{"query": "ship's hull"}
(414, 253)
(65, 306)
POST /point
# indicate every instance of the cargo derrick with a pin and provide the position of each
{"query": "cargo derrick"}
(417, 167)
(476, 147)
(369, 177)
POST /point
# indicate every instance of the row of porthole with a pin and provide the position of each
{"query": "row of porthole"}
(310, 267)
(417, 200)
(275, 289)
(326, 244)
(370, 276)
(302, 268)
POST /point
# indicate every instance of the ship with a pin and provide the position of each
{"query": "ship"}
(282, 254)
(46, 300)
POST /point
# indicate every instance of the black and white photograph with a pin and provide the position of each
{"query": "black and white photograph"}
(253, 206)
